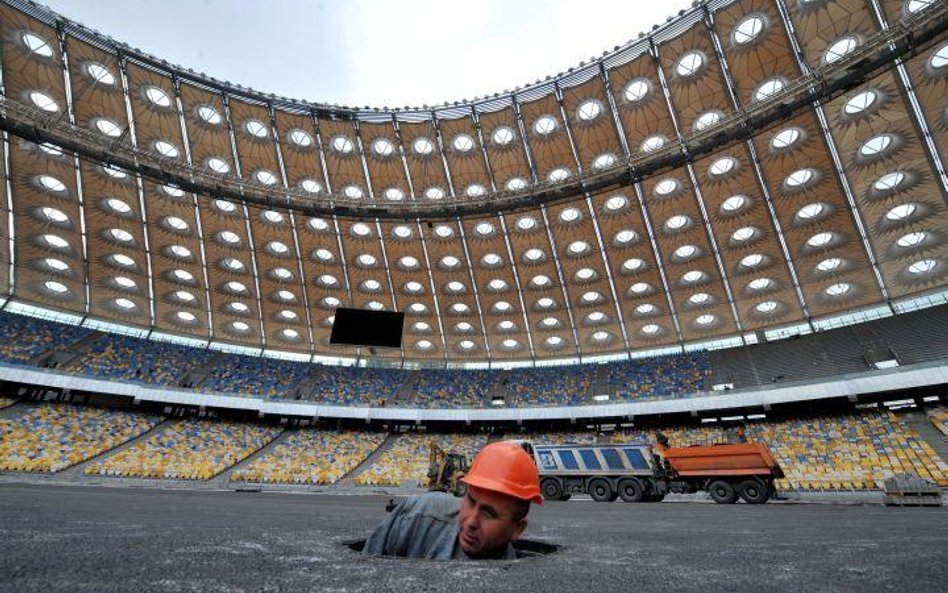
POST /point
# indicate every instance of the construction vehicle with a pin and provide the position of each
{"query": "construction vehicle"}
(637, 472)
(445, 470)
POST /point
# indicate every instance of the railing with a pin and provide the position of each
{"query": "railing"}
(904, 38)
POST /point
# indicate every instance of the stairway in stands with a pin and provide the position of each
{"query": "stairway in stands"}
(921, 424)
(347, 480)
(196, 377)
(80, 468)
(224, 477)
(404, 393)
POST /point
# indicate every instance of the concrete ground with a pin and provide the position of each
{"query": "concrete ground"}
(90, 538)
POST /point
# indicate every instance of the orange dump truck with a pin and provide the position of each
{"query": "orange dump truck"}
(636, 472)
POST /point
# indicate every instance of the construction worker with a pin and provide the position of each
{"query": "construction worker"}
(501, 484)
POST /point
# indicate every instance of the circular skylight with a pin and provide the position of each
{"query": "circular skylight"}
(554, 341)
(733, 203)
(876, 145)
(752, 261)
(633, 264)
(689, 64)
(288, 315)
(889, 181)
(766, 307)
(36, 44)
(859, 103)
(722, 166)
(281, 273)
(785, 138)
(604, 161)
(510, 343)
(229, 237)
(769, 88)
(157, 96)
(383, 147)
(502, 307)
(172, 190)
(443, 231)
(460, 308)
(546, 303)
(589, 110)
(820, 240)
(491, 260)
(940, 58)
(311, 186)
(366, 260)
(595, 317)
(646, 309)
(475, 190)
(743, 234)
(840, 48)
(616, 203)
(591, 297)
(225, 206)
(707, 120)
(236, 287)
(300, 138)
(799, 177)
(57, 265)
(184, 296)
(360, 229)
(256, 128)
(114, 172)
(686, 251)
(601, 336)
(666, 186)
(289, 334)
(450, 262)
(463, 143)
(166, 149)
(570, 215)
(640, 288)
(218, 165)
(180, 251)
(55, 241)
(706, 319)
(533, 254)
(370, 286)
(183, 276)
(915, 5)
(455, 287)
(650, 329)
(327, 280)
(124, 303)
(413, 287)
(810, 211)
(828, 264)
(692, 276)
(484, 229)
(54, 215)
(584, 274)
(625, 236)
(422, 146)
(578, 247)
(44, 101)
(408, 262)
(463, 327)
(516, 183)
(265, 177)
(558, 174)
(56, 287)
(209, 115)
(924, 266)
(240, 326)
(506, 325)
(272, 216)
(503, 135)
(317, 224)
(277, 248)
(653, 143)
(331, 301)
(342, 144)
(393, 194)
(838, 289)
(544, 125)
(748, 29)
(900, 212)
(913, 239)
(526, 223)
(121, 235)
(699, 298)
(233, 264)
(124, 282)
(401, 231)
(636, 90)
(677, 222)
(51, 149)
(760, 283)
(51, 183)
(540, 281)
(434, 193)
(174, 223)
(122, 260)
(285, 295)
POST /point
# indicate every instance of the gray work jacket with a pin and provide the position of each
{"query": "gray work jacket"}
(424, 526)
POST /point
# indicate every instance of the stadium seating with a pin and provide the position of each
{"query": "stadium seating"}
(125, 358)
(311, 457)
(255, 376)
(187, 449)
(658, 378)
(407, 459)
(23, 338)
(551, 386)
(939, 417)
(52, 437)
(354, 386)
(453, 388)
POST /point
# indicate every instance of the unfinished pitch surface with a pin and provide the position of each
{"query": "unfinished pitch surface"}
(61, 538)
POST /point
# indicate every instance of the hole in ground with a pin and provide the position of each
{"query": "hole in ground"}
(525, 548)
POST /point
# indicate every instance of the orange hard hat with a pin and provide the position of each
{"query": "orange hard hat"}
(506, 468)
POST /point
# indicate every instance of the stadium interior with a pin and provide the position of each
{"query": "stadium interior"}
(735, 221)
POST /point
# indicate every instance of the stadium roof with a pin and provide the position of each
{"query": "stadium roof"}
(749, 164)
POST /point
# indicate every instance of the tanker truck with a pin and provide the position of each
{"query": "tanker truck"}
(637, 472)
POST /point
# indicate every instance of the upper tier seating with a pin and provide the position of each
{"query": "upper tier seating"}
(125, 358)
(354, 386)
(551, 386)
(23, 338)
(55, 436)
(310, 456)
(407, 459)
(939, 417)
(659, 378)
(256, 376)
(453, 388)
(187, 449)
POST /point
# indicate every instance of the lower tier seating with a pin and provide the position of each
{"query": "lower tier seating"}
(311, 457)
(939, 418)
(407, 459)
(52, 437)
(187, 449)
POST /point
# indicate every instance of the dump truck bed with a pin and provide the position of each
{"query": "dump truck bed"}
(749, 459)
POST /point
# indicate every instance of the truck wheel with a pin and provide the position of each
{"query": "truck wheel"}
(722, 492)
(601, 490)
(551, 489)
(754, 492)
(631, 490)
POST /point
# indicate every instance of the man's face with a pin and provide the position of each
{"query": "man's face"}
(487, 522)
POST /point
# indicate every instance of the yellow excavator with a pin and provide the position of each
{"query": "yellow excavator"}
(445, 470)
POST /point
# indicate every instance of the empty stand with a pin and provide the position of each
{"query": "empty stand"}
(25, 339)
